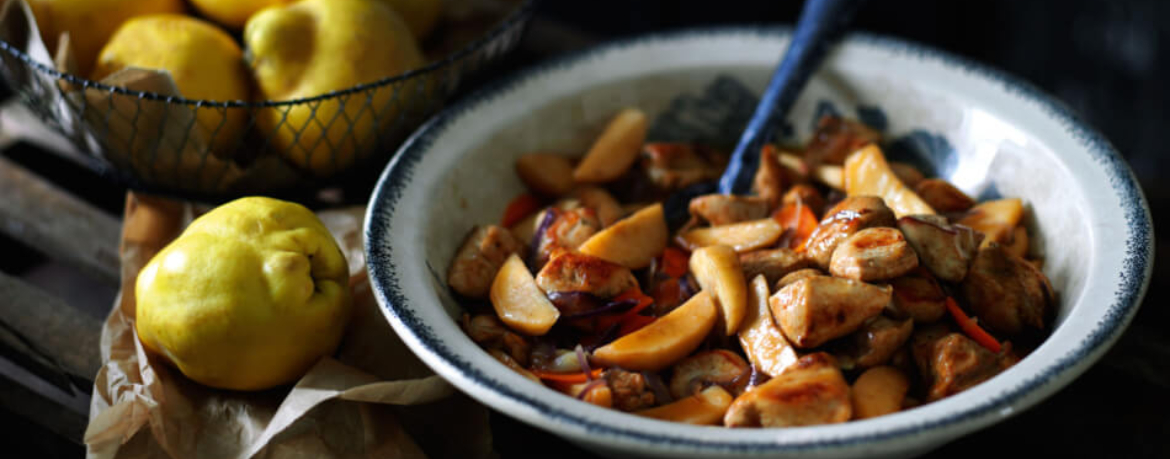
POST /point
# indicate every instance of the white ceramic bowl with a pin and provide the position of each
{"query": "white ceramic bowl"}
(983, 130)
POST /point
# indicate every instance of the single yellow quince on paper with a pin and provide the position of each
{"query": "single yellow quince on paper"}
(233, 13)
(90, 23)
(249, 297)
(204, 61)
(312, 47)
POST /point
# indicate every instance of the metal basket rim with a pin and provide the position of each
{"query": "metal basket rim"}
(517, 16)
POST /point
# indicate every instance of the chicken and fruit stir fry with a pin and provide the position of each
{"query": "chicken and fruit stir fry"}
(846, 287)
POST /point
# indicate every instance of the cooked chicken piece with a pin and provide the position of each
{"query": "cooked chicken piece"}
(908, 174)
(569, 229)
(630, 392)
(879, 339)
(945, 249)
(794, 276)
(918, 296)
(773, 264)
(942, 196)
(835, 138)
(718, 367)
(771, 178)
(576, 272)
(484, 329)
(807, 195)
(849, 216)
(812, 391)
(673, 166)
(475, 264)
(816, 309)
(609, 210)
(953, 362)
(1006, 292)
(873, 254)
(721, 209)
(517, 347)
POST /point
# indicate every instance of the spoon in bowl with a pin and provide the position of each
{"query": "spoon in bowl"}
(821, 24)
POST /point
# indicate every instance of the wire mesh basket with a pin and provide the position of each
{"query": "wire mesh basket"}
(150, 139)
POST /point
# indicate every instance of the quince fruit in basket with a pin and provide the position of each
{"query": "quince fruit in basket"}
(312, 47)
(249, 297)
(91, 22)
(203, 60)
(233, 13)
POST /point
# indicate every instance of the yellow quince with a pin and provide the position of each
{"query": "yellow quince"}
(249, 297)
(90, 23)
(312, 47)
(204, 62)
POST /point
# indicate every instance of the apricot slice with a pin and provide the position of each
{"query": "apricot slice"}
(664, 341)
(632, 242)
(704, 408)
(743, 237)
(519, 302)
(868, 173)
(995, 219)
(762, 341)
(615, 150)
(718, 271)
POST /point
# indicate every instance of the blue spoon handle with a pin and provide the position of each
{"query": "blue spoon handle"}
(821, 23)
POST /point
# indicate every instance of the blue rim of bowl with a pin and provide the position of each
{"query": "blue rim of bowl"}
(1136, 266)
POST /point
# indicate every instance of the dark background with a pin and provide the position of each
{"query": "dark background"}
(1108, 60)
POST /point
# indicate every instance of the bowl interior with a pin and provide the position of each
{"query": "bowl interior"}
(984, 134)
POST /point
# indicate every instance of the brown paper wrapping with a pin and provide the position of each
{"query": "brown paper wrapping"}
(373, 398)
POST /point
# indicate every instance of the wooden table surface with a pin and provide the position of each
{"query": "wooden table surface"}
(59, 230)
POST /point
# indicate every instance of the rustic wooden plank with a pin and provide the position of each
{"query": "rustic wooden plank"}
(61, 226)
(48, 332)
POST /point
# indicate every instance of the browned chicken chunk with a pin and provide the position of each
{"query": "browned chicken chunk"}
(835, 138)
(812, 391)
(849, 216)
(577, 272)
(878, 340)
(807, 195)
(718, 367)
(873, 254)
(475, 264)
(952, 363)
(943, 197)
(774, 264)
(672, 166)
(771, 178)
(945, 249)
(630, 392)
(918, 296)
(1006, 292)
(721, 209)
(569, 229)
(816, 309)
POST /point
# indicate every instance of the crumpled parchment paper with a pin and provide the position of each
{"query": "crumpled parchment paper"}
(373, 398)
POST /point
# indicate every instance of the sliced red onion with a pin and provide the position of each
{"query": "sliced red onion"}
(661, 393)
(688, 286)
(573, 303)
(607, 336)
(612, 307)
(583, 360)
(550, 216)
